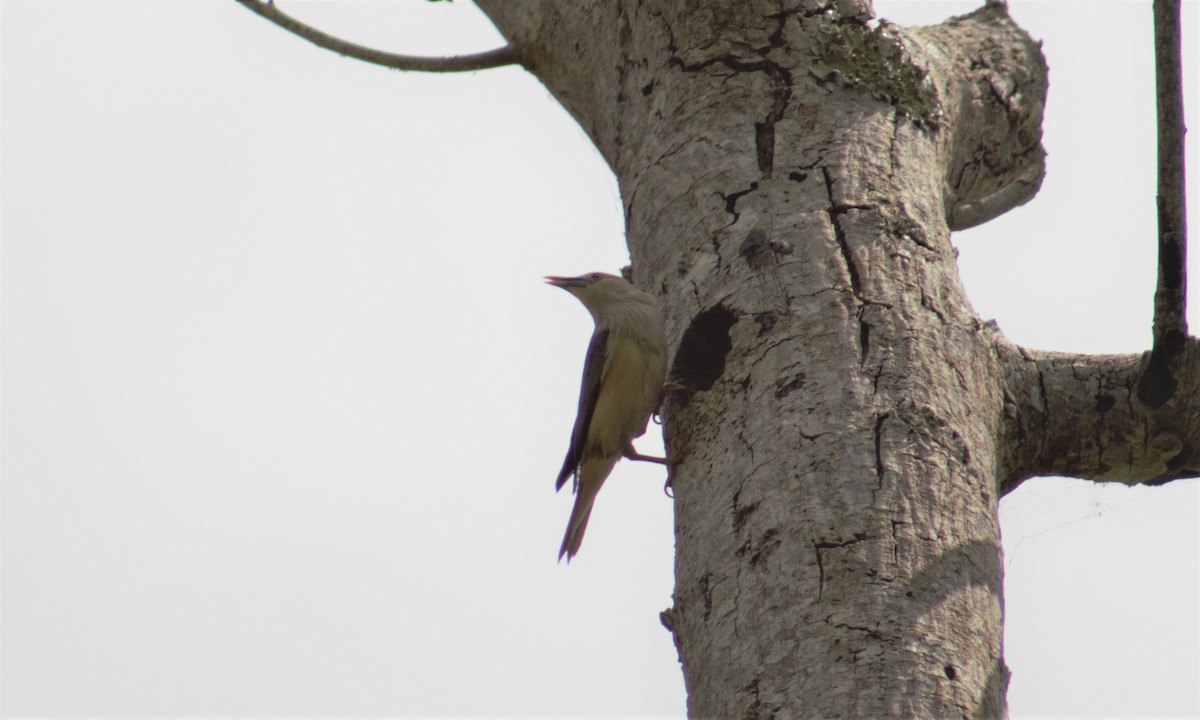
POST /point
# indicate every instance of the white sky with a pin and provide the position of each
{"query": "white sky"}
(284, 396)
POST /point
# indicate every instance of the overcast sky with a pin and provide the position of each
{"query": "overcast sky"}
(284, 396)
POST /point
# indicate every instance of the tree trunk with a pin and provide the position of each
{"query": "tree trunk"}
(791, 177)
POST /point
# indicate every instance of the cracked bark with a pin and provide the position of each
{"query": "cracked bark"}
(791, 178)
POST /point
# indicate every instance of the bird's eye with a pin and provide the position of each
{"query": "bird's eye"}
(596, 276)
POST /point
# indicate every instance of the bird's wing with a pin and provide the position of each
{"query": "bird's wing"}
(589, 391)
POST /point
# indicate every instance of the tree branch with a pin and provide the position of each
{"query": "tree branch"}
(1128, 418)
(1082, 416)
(993, 107)
(1170, 298)
(1160, 380)
(507, 55)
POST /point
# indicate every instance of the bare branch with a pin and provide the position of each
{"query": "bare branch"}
(1082, 416)
(1170, 299)
(507, 55)
(1159, 382)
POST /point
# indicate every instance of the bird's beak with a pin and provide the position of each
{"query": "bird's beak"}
(563, 282)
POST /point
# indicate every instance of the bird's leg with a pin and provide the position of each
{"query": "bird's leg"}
(632, 454)
(671, 461)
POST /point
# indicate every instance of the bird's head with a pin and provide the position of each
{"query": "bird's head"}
(597, 291)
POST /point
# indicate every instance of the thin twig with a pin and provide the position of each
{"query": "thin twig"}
(507, 55)
(1159, 381)
(1170, 298)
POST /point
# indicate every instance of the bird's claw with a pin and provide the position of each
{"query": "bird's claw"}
(668, 387)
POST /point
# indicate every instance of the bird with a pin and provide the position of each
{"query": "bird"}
(623, 376)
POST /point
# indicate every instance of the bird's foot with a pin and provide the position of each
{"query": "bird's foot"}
(668, 387)
(671, 461)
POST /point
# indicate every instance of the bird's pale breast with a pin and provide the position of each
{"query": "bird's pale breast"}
(630, 388)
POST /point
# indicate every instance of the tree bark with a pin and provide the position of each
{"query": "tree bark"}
(1082, 416)
(791, 176)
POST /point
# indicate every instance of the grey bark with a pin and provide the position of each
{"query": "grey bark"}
(790, 179)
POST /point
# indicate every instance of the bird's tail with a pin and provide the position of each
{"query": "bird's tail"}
(577, 524)
(592, 473)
